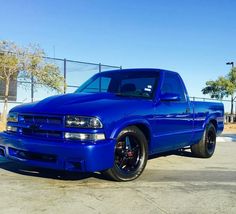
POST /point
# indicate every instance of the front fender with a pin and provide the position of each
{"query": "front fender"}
(119, 126)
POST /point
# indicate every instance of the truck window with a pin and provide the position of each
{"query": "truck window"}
(173, 84)
(130, 84)
(95, 85)
(138, 85)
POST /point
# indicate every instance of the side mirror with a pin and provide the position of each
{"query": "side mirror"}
(170, 97)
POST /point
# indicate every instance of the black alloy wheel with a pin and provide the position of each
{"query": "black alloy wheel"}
(211, 141)
(131, 155)
(206, 146)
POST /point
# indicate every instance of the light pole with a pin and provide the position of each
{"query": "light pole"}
(232, 64)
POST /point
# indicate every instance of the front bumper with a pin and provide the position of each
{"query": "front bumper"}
(60, 155)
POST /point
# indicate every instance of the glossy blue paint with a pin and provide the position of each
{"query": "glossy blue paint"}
(168, 124)
(85, 156)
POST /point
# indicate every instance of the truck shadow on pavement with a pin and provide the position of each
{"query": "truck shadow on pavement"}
(181, 152)
(46, 173)
(26, 170)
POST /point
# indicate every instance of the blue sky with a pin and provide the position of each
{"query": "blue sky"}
(192, 37)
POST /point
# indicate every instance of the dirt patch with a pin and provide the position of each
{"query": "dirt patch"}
(2, 126)
(230, 127)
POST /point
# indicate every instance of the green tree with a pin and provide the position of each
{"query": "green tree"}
(223, 87)
(26, 63)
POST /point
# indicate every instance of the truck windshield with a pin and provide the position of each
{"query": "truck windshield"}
(133, 84)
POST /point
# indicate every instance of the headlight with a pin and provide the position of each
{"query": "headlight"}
(12, 117)
(11, 129)
(83, 122)
(84, 136)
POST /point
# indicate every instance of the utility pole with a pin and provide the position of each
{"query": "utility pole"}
(232, 99)
(230, 63)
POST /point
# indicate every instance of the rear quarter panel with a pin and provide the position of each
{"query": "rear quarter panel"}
(205, 112)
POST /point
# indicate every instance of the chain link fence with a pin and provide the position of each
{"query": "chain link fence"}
(74, 73)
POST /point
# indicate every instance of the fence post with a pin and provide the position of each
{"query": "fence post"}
(32, 88)
(100, 80)
(64, 76)
(100, 68)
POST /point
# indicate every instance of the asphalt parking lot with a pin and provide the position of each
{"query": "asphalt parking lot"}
(171, 183)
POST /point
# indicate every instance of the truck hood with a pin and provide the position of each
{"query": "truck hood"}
(87, 104)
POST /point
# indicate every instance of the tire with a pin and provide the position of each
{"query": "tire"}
(206, 146)
(131, 154)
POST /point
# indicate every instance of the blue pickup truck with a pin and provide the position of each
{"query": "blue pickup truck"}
(112, 124)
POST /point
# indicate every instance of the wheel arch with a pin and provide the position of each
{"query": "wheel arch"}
(143, 125)
(145, 129)
(214, 122)
(212, 119)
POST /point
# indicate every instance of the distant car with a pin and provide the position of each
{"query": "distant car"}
(112, 123)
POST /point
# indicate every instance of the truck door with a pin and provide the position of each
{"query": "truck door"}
(174, 117)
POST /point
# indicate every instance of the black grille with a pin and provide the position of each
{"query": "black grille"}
(32, 119)
(32, 155)
(41, 133)
(41, 126)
